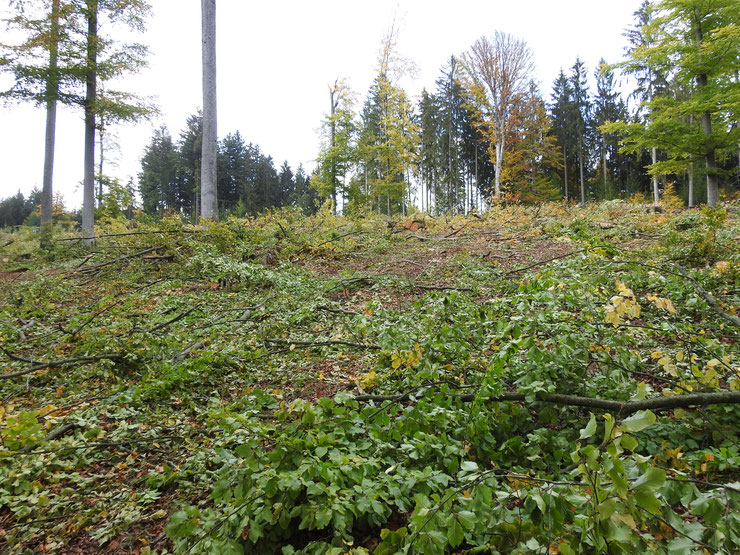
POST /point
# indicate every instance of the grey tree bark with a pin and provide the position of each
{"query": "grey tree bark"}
(88, 183)
(209, 200)
(706, 124)
(656, 189)
(52, 93)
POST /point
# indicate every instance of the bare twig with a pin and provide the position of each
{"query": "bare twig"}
(40, 365)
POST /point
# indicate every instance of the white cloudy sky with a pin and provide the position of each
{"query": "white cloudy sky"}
(276, 59)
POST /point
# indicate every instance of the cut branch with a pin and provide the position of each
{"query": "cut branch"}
(40, 365)
(286, 342)
(734, 320)
(617, 407)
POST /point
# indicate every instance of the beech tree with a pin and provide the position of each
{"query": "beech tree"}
(498, 70)
(337, 152)
(40, 77)
(208, 181)
(696, 42)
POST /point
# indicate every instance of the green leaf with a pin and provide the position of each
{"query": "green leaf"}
(590, 428)
(455, 532)
(607, 508)
(637, 422)
(652, 479)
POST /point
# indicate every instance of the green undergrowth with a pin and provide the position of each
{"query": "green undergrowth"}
(331, 385)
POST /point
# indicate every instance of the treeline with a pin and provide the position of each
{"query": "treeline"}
(487, 131)
(17, 209)
(248, 181)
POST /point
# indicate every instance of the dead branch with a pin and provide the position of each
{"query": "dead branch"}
(40, 365)
(97, 267)
(175, 319)
(286, 342)
(734, 320)
(541, 262)
(337, 310)
(422, 238)
(129, 234)
(623, 408)
(442, 288)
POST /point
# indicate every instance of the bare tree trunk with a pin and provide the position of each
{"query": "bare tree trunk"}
(565, 172)
(52, 93)
(691, 185)
(499, 164)
(603, 168)
(656, 188)
(208, 191)
(706, 124)
(101, 158)
(88, 184)
(583, 183)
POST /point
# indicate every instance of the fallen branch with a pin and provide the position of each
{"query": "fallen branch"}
(337, 310)
(541, 262)
(442, 288)
(90, 269)
(617, 407)
(175, 319)
(734, 320)
(368, 346)
(422, 238)
(40, 365)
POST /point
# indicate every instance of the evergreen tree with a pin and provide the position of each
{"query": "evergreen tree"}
(562, 113)
(158, 179)
(451, 120)
(286, 185)
(582, 112)
(189, 152)
(608, 106)
(232, 170)
(388, 138)
(428, 162)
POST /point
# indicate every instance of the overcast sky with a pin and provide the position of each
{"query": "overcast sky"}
(277, 58)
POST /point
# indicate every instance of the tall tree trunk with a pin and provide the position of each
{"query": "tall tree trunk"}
(209, 199)
(565, 172)
(334, 104)
(91, 77)
(101, 158)
(604, 169)
(52, 93)
(691, 185)
(583, 182)
(706, 124)
(499, 164)
(656, 186)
